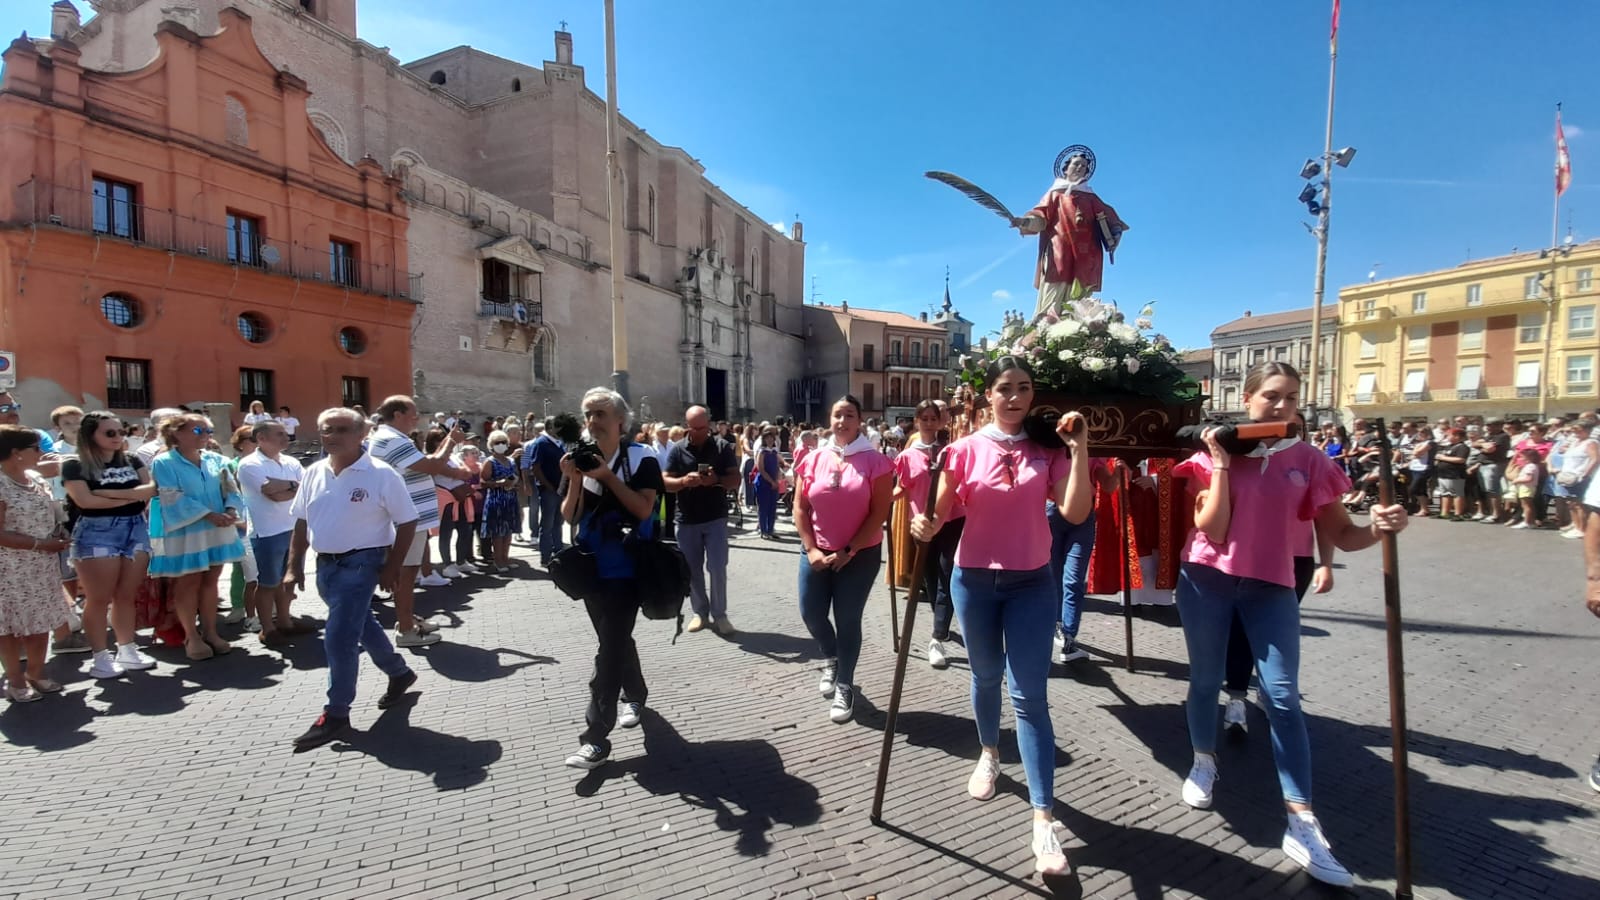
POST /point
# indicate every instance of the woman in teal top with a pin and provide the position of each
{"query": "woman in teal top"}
(192, 528)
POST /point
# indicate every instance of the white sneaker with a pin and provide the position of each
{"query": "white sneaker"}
(105, 666)
(1572, 535)
(1070, 652)
(426, 626)
(235, 616)
(628, 715)
(252, 624)
(1202, 780)
(825, 686)
(451, 572)
(467, 568)
(1233, 716)
(129, 657)
(414, 638)
(1048, 856)
(1519, 526)
(936, 657)
(434, 580)
(74, 621)
(842, 709)
(1304, 843)
(588, 757)
(981, 785)
(1060, 640)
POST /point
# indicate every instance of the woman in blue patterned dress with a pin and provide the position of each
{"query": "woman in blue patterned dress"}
(500, 513)
(192, 528)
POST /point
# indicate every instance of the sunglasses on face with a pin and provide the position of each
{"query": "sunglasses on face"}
(10, 407)
(112, 434)
(201, 429)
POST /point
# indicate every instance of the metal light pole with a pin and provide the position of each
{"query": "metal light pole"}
(614, 188)
(1313, 371)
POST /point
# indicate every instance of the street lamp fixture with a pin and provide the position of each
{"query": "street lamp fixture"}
(1344, 156)
(1311, 169)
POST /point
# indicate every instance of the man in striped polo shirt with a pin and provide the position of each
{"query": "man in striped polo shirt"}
(390, 441)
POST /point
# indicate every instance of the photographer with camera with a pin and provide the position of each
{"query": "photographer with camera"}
(612, 485)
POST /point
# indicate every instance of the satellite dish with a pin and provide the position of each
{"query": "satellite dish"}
(269, 255)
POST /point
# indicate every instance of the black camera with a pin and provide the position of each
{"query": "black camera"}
(585, 455)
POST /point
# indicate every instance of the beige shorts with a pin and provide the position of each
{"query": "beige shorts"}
(419, 543)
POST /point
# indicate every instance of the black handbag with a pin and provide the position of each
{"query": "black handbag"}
(575, 572)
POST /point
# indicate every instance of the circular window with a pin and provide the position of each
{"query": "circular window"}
(120, 311)
(253, 327)
(352, 341)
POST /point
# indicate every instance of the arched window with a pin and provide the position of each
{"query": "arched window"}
(650, 212)
(437, 77)
(238, 121)
(516, 85)
(544, 358)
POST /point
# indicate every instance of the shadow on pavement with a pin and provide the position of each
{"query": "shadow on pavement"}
(1065, 887)
(1461, 838)
(463, 662)
(775, 646)
(720, 776)
(55, 723)
(454, 762)
(1424, 626)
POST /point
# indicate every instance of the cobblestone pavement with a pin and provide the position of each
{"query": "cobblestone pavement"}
(181, 782)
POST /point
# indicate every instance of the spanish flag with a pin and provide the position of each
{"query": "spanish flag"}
(1563, 161)
(1333, 31)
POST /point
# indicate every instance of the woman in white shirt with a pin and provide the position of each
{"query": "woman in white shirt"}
(257, 414)
(289, 422)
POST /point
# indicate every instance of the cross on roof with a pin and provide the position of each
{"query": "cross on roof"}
(563, 24)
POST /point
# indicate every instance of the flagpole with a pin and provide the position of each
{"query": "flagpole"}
(1555, 256)
(1314, 369)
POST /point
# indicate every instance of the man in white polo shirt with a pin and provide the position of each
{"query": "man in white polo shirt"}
(354, 511)
(390, 442)
(269, 479)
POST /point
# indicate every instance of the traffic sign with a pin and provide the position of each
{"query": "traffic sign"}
(8, 369)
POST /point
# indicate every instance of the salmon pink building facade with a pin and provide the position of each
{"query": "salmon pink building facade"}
(181, 233)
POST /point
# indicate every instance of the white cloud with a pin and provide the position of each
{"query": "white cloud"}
(779, 227)
(1572, 131)
(970, 279)
(1000, 296)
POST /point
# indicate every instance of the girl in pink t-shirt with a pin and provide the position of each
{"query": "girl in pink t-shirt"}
(1239, 559)
(1002, 581)
(911, 482)
(841, 500)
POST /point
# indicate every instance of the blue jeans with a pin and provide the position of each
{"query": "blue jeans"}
(346, 585)
(272, 555)
(1005, 619)
(705, 546)
(844, 593)
(1270, 613)
(1070, 547)
(767, 501)
(549, 522)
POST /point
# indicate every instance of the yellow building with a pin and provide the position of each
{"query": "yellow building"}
(1474, 340)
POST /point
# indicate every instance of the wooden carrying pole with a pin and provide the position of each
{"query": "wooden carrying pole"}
(894, 576)
(1124, 526)
(903, 652)
(1397, 675)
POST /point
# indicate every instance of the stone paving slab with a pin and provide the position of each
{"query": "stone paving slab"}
(180, 782)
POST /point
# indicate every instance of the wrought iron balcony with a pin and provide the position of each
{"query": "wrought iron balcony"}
(49, 205)
(915, 361)
(518, 309)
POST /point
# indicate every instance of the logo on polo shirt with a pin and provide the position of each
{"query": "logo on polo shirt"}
(358, 495)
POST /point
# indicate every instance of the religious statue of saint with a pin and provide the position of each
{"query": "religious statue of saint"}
(1075, 228)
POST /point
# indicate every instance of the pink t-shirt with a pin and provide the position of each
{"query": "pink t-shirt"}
(1271, 510)
(911, 467)
(1004, 485)
(840, 491)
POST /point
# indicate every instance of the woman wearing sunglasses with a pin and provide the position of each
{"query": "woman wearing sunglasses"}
(843, 497)
(193, 530)
(1002, 584)
(107, 488)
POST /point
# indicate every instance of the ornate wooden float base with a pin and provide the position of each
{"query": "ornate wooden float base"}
(1129, 428)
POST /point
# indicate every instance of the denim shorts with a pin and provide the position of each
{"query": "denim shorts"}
(272, 555)
(108, 537)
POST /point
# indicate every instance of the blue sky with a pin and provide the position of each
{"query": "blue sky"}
(1201, 114)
